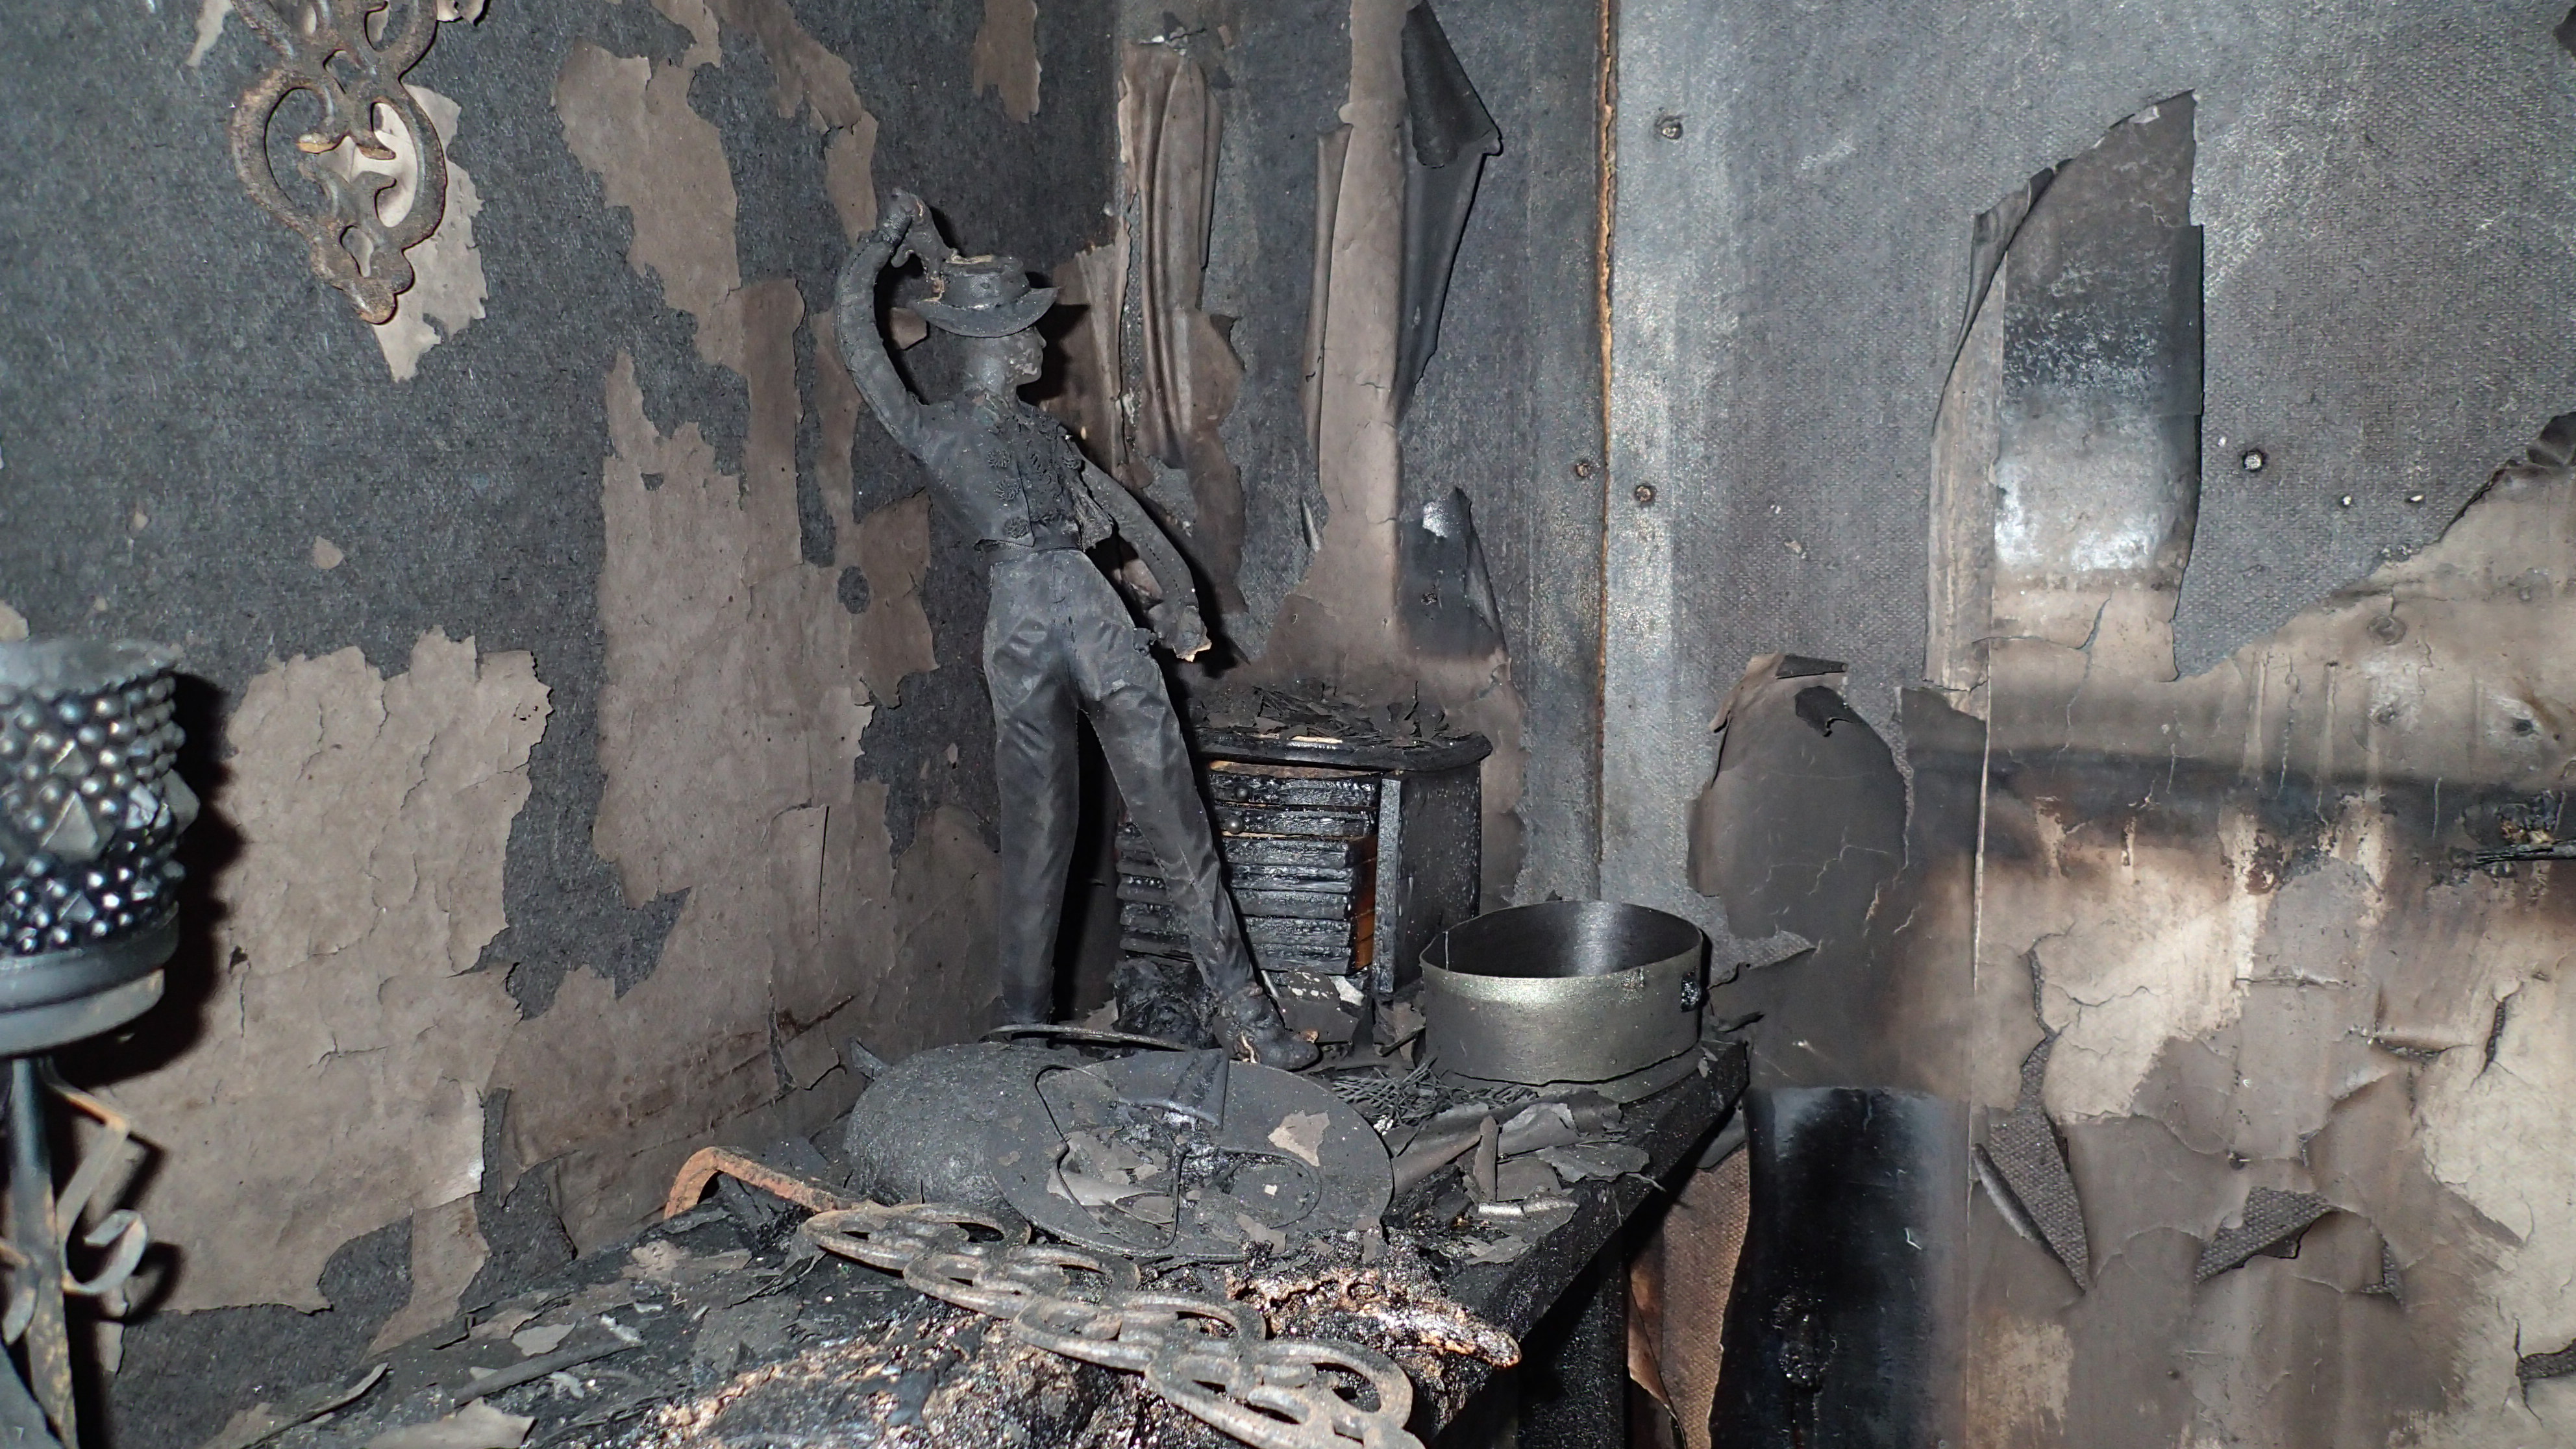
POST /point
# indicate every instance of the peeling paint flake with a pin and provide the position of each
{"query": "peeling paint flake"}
(630, 123)
(1006, 55)
(447, 269)
(210, 28)
(813, 80)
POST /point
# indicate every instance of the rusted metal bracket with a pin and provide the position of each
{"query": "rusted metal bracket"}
(349, 55)
(709, 1163)
(38, 1249)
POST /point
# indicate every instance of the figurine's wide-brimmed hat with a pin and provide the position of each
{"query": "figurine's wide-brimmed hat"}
(983, 297)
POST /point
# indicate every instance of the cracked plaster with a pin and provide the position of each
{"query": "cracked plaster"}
(2237, 893)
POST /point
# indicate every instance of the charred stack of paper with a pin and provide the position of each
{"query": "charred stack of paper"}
(1350, 838)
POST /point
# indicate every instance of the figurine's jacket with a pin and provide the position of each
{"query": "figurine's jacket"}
(1006, 473)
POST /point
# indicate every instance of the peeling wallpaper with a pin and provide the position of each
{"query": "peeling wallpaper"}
(587, 757)
(348, 1036)
(2205, 832)
(1304, 276)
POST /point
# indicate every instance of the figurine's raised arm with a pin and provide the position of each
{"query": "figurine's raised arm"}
(854, 322)
(1176, 618)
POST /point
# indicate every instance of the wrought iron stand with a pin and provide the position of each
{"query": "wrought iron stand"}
(90, 815)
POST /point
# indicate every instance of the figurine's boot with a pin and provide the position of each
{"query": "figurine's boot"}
(1251, 1023)
(1159, 997)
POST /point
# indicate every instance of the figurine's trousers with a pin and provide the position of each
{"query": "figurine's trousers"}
(1060, 646)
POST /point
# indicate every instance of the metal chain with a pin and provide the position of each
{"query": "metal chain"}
(1208, 1357)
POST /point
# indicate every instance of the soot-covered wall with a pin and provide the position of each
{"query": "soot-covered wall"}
(1306, 222)
(586, 756)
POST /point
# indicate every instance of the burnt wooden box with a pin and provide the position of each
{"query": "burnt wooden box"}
(1344, 857)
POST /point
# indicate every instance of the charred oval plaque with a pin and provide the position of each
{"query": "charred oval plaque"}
(1189, 1157)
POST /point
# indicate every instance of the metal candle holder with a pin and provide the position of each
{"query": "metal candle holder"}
(90, 816)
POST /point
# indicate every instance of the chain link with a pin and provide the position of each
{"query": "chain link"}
(1210, 1358)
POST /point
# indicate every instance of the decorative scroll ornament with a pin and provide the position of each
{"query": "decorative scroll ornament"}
(350, 55)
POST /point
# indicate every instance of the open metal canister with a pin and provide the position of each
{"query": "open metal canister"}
(1563, 991)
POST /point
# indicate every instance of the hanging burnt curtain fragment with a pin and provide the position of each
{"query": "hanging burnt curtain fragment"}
(1448, 593)
(1452, 136)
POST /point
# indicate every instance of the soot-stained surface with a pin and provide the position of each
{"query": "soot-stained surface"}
(2304, 1047)
(1508, 410)
(179, 1383)
(1793, 270)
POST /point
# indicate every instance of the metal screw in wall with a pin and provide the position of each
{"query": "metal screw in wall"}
(1645, 494)
(2252, 460)
(1669, 127)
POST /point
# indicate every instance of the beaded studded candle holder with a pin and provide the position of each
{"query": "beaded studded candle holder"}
(90, 815)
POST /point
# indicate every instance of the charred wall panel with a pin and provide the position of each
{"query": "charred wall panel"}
(1794, 186)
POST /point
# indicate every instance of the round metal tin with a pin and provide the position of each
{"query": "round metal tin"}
(1563, 991)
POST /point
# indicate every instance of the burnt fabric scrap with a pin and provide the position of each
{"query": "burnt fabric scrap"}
(1452, 136)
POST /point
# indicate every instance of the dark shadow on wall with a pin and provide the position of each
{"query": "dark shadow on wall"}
(1795, 835)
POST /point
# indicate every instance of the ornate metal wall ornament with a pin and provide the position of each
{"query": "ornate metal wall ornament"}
(350, 56)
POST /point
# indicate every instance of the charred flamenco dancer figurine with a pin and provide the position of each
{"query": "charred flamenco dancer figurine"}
(1057, 638)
